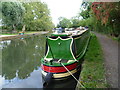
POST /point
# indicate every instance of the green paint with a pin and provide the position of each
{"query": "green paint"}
(61, 48)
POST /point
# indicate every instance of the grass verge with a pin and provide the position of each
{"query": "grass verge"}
(115, 38)
(93, 74)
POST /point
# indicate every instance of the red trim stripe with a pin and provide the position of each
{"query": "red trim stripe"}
(58, 69)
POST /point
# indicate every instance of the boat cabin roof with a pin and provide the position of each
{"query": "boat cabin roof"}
(69, 33)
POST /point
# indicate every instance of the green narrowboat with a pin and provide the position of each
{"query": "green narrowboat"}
(63, 54)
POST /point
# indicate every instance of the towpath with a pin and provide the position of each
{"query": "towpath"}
(110, 51)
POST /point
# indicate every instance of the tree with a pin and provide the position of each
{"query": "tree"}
(64, 22)
(108, 13)
(85, 14)
(12, 13)
(75, 22)
(85, 7)
(37, 16)
(31, 15)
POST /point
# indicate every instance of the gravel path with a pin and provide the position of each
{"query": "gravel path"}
(110, 50)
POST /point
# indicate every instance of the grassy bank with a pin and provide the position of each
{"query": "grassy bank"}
(93, 74)
(115, 38)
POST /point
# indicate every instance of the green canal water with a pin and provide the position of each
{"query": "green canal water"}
(21, 64)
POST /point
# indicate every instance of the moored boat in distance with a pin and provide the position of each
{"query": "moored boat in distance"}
(64, 52)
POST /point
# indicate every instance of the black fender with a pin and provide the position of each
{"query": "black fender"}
(48, 79)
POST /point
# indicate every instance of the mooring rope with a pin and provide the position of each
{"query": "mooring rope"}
(71, 74)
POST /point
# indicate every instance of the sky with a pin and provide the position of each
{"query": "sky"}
(63, 8)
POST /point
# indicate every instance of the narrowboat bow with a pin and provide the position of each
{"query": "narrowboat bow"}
(63, 54)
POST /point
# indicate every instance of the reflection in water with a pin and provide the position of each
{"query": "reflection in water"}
(20, 57)
(34, 81)
(4, 44)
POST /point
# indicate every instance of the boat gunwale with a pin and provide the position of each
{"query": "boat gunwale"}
(60, 72)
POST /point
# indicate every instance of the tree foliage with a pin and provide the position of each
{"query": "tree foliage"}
(99, 16)
(12, 13)
(37, 16)
(102, 16)
(75, 22)
(85, 14)
(108, 13)
(33, 15)
(64, 22)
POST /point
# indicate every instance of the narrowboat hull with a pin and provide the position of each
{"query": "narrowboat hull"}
(60, 73)
(63, 55)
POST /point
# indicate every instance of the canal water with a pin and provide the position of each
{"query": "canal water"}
(21, 64)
